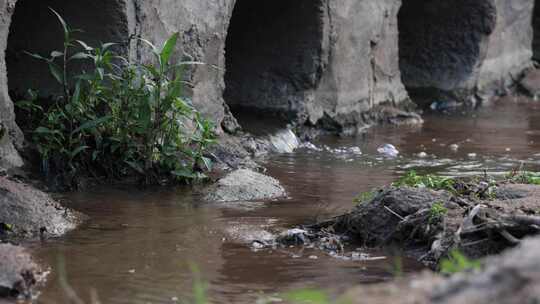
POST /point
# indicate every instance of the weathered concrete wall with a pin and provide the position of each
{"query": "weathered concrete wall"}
(347, 51)
(9, 132)
(29, 26)
(203, 28)
(35, 29)
(362, 68)
(508, 51)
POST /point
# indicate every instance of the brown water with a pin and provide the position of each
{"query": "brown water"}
(138, 245)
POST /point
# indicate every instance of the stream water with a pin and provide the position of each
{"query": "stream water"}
(138, 245)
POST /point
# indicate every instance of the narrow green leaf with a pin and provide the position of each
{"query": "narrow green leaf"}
(152, 46)
(207, 163)
(168, 49)
(36, 56)
(78, 150)
(185, 173)
(55, 54)
(63, 23)
(135, 166)
(76, 93)
(85, 46)
(56, 72)
(308, 296)
(91, 124)
(80, 56)
(106, 46)
(44, 130)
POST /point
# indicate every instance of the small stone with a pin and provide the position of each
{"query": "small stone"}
(472, 155)
(422, 155)
(454, 147)
(245, 185)
(313, 257)
(388, 150)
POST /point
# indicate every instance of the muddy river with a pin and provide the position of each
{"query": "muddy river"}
(139, 246)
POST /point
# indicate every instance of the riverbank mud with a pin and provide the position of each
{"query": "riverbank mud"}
(476, 216)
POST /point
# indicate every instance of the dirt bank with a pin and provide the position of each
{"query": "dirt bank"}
(477, 216)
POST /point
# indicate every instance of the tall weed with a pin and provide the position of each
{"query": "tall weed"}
(116, 117)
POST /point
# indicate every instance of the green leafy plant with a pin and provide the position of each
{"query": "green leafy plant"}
(200, 287)
(412, 179)
(524, 177)
(305, 296)
(437, 212)
(312, 296)
(117, 117)
(457, 262)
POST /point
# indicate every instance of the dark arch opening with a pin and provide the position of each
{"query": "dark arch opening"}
(273, 56)
(35, 29)
(440, 45)
(536, 31)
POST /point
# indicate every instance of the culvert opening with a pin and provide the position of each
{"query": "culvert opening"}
(536, 31)
(35, 29)
(273, 57)
(440, 45)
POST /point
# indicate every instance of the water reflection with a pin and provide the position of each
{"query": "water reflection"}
(138, 245)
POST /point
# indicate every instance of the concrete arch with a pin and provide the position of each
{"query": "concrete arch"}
(35, 29)
(536, 31)
(442, 44)
(273, 54)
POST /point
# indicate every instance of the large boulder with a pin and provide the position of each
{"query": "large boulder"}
(245, 185)
(18, 272)
(27, 212)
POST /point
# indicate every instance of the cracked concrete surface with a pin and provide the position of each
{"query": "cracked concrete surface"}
(350, 61)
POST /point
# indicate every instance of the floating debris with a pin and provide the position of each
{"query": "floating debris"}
(284, 141)
(388, 150)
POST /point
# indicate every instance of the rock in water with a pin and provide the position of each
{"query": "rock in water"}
(284, 141)
(29, 212)
(245, 185)
(18, 273)
(388, 150)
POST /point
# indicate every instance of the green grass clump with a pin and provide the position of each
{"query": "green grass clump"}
(412, 179)
(118, 118)
(457, 262)
(524, 177)
(437, 212)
